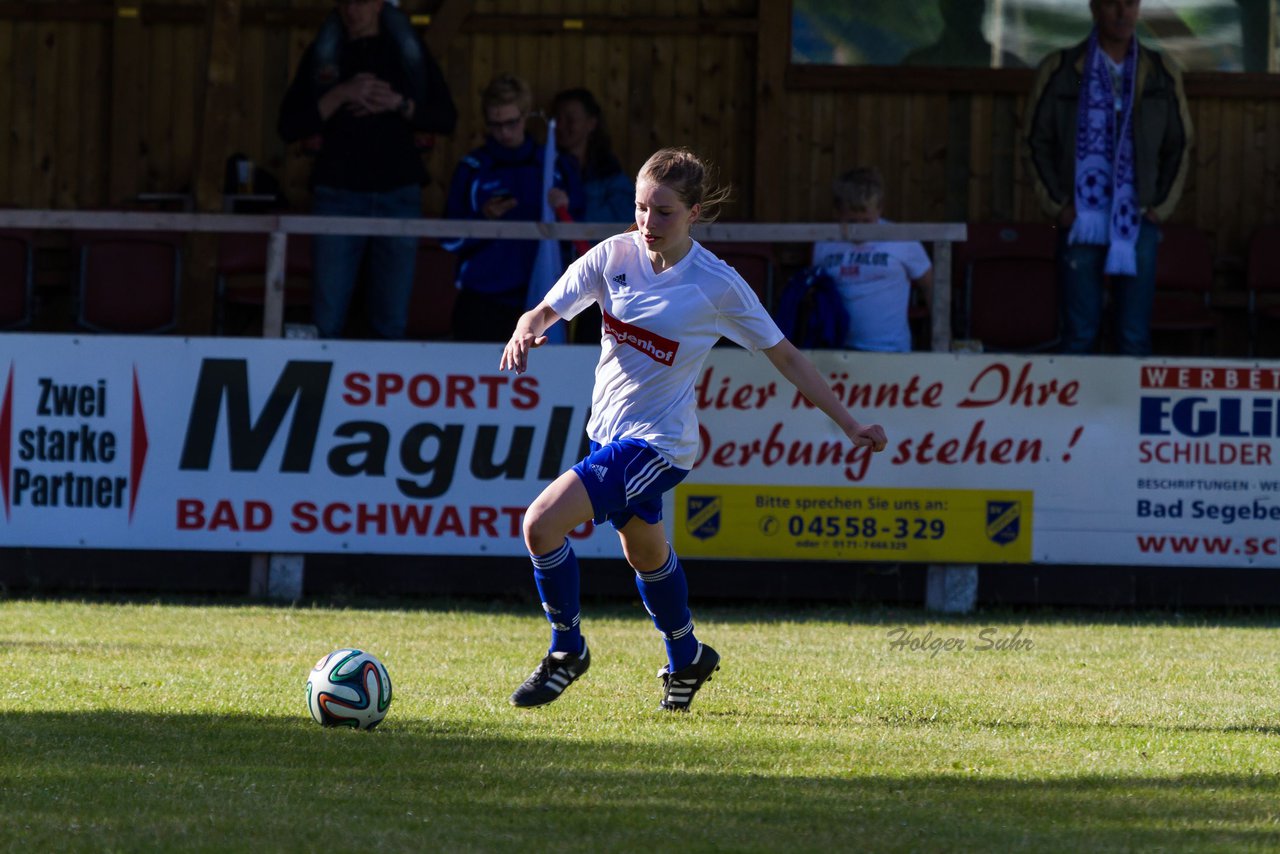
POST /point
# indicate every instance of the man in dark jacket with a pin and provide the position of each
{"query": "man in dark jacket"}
(1109, 136)
(366, 86)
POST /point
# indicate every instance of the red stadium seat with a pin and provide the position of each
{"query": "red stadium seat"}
(1184, 282)
(128, 281)
(16, 290)
(434, 293)
(1262, 278)
(1007, 278)
(755, 262)
(241, 269)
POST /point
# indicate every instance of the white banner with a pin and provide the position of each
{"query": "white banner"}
(308, 446)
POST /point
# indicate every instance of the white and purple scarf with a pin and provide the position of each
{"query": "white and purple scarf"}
(1106, 199)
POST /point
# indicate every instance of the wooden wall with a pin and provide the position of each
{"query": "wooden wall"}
(101, 103)
(958, 157)
(659, 79)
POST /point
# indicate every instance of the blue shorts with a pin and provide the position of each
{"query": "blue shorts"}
(627, 478)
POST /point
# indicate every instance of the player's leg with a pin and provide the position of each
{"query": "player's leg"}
(664, 589)
(562, 506)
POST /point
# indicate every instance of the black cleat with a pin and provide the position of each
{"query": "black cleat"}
(548, 681)
(678, 688)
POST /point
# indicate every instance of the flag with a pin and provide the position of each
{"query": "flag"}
(547, 267)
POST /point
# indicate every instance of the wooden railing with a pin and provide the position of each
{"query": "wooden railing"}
(280, 226)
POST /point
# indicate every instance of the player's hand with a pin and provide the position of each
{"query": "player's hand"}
(515, 356)
(868, 436)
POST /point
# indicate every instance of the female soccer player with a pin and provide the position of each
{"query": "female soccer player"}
(665, 302)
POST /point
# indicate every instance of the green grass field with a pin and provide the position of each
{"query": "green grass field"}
(149, 726)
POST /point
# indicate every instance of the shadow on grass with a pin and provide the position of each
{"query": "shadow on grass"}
(853, 614)
(887, 616)
(111, 780)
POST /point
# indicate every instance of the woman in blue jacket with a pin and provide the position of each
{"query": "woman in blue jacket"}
(580, 131)
(610, 192)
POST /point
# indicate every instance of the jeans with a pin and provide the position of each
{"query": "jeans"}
(337, 259)
(1080, 271)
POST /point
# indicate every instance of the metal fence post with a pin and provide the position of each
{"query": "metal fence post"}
(273, 297)
(950, 589)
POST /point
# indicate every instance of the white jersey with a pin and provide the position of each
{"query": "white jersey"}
(655, 335)
(875, 279)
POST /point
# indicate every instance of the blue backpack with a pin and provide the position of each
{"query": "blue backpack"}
(811, 312)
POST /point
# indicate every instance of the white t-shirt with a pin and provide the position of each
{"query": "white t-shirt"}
(875, 280)
(657, 331)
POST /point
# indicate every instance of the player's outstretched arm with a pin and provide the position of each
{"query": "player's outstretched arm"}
(802, 374)
(529, 334)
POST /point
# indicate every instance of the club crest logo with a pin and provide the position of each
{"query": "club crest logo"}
(1004, 521)
(702, 516)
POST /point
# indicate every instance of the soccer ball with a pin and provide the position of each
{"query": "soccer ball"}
(349, 687)
(1094, 189)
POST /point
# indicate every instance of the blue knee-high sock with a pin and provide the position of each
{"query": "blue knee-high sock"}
(556, 574)
(665, 593)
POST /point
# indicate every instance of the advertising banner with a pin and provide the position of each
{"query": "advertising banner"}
(1102, 460)
(364, 447)
(281, 446)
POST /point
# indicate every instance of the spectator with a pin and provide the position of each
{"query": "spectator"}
(610, 192)
(502, 179)
(874, 278)
(580, 131)
(1109, 136)
(366, 85)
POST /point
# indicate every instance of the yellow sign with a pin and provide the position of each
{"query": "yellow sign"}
(836, 523)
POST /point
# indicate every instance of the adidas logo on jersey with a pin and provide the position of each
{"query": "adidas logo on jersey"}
(600, 471)
(621, 278)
